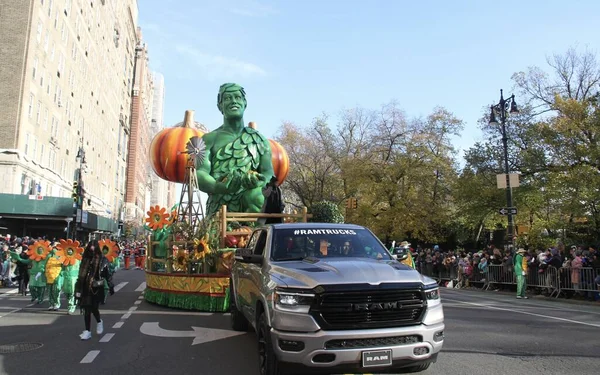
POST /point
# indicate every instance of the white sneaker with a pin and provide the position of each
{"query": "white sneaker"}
(86, 335)
(100, 327)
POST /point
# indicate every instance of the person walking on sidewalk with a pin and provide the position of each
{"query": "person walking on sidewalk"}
(89, 289)
(520, 264)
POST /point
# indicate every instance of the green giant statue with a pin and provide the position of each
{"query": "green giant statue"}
(237, 162)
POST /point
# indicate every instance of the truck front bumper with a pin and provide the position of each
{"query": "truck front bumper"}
(317, 352)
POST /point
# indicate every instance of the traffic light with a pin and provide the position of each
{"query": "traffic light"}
(354, 203)
(75, 193)
(349, 203)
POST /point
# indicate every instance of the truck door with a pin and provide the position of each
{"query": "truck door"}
(255, 276)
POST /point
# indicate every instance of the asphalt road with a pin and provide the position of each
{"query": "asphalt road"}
(486, 332)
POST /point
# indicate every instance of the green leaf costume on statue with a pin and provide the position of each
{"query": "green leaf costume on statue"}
(237, 164)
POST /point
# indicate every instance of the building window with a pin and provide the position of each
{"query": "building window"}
(42, 149)
(38, 113)
(27, 144)
(63, 168)
(38, 35)
(49, 8)
(52, 51)
(42, 74)
(35, 65)
(46, 118)
(30, 108)
(48, 86)
(54, 127)
(34, 148)
(56, 20)
(52, 159)
(46, 40)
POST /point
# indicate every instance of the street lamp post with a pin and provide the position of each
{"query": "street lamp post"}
(78, 193)
(502, 109)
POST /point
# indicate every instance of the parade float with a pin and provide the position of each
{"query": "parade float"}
(191, 250)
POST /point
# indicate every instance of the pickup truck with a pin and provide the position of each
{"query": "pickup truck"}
(330, 298)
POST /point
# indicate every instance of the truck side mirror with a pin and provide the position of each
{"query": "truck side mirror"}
(245, 255)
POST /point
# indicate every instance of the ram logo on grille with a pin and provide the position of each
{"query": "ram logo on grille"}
(377, 306)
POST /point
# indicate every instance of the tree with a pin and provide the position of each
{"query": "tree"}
(326, 212)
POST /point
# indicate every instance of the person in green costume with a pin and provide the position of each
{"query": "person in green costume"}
(237, 162)
(520, 264)
(37, 277)
(54, 278)
(69, 274)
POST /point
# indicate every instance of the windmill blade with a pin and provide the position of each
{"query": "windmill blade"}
(196, 148)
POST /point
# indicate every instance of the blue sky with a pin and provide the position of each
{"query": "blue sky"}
(298, 59)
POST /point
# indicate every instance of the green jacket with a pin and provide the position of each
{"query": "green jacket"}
(34, 268)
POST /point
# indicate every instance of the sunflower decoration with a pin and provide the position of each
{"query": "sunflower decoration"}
(180, 261)
(39, 250)
(69, 251)
(109, 249)
(202, 248)
(172, 217)
(157, 217)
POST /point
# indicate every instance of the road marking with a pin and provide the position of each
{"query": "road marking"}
(534, 303)
(133, 308)
(200, 334)
(107, 337)
(141, 297)
(16, 309)
(10, 292)
(142, 287)
(137, 302)
(126, 316)
(526, 313)
(118, 325)
(120, 286)
(89, 358)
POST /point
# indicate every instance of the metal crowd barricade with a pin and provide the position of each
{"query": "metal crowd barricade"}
(577, 280)
(547, 279)
(499, 274)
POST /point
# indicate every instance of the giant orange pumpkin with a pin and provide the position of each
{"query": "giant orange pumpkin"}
(165, 150)
(280, 160)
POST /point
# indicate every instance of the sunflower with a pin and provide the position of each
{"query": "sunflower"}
(201, 247)
(172, 217)
(109, 249)
(39, 250)
(157, 217)
(69, 251)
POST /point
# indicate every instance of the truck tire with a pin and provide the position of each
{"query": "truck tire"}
(267, 361)
(417, 368)
(238, 321)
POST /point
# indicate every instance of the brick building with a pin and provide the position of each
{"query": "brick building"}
(138, 183)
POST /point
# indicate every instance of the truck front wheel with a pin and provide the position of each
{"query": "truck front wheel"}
(268, 363)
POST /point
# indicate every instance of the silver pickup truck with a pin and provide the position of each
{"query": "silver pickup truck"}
(329, 298)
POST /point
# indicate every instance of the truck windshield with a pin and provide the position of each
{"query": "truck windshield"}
(296, 244)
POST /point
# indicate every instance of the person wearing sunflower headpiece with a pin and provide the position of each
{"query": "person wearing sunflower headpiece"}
(54, 277)
(38, 256)
(71, 259)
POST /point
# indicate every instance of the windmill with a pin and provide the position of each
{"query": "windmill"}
(190, 206)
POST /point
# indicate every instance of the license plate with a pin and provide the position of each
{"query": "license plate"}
(377, 358)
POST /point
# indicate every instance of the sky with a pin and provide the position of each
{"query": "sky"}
(298, 59)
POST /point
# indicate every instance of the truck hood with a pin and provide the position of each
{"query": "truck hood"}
(311, 273)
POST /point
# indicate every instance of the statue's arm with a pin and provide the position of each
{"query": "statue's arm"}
(266, 164)
(206, 182)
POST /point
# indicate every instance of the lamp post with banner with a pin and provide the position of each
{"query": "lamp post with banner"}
(502, 109)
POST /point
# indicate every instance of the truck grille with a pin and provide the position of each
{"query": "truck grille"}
(373, 342)
(369, 308)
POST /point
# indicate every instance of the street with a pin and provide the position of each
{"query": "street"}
(485, 332)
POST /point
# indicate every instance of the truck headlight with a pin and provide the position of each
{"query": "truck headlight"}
(293, 301)
(433, 296)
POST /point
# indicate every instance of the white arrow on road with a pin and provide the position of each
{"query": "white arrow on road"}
(201, 335)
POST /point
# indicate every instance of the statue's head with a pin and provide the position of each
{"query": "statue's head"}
(231, 100)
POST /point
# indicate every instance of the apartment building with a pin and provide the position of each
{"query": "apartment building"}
(66, 87)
